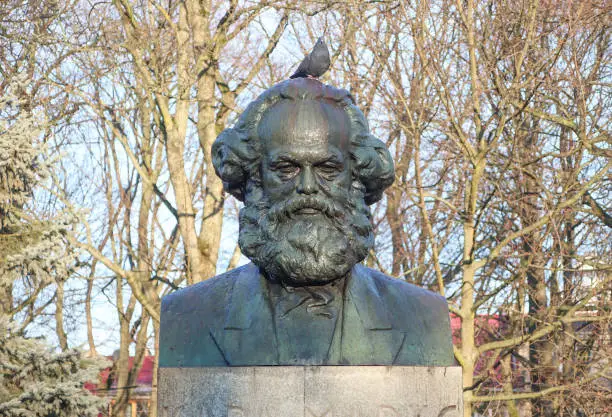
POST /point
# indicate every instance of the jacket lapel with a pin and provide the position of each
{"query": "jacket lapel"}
(368, 337)
(247, 336)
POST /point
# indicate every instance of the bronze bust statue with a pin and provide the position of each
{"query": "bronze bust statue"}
(304, 163)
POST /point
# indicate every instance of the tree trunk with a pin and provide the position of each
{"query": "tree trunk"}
(88, 318)
(212, 217)
(540, 350)
(122, 356)
(153, 400)
(59, 315)
(394, 219)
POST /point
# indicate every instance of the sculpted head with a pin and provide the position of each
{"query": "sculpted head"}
(304, 163)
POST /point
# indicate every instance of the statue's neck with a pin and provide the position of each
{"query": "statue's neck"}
(337, 283)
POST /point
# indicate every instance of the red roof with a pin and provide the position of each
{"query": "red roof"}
(144, 380)
(487, 328)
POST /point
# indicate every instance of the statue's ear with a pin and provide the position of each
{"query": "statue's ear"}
(373, 167)
(230, 159)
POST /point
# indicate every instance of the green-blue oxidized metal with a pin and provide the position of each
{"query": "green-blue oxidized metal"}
(304, 163)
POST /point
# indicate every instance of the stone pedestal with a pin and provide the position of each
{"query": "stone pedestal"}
(315, 391)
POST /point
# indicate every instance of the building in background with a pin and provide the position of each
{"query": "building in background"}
(138, 405)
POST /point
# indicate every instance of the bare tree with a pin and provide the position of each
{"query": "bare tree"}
(154, 80)
(496, 114)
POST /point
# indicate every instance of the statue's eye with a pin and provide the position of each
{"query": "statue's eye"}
(285, 169)
(329, 169)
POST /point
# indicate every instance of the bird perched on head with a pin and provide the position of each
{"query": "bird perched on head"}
(316, 63)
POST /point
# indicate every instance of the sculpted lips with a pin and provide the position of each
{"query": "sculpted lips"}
(310, 206)
(305, 206)
(307, 210)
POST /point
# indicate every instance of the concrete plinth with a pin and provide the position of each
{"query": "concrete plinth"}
(315, 391)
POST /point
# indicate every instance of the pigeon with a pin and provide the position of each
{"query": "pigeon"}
(316, 63)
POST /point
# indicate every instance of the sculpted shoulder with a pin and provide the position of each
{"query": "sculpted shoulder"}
(188, 316)
(420, 314)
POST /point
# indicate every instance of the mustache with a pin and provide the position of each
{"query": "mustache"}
(287, 209)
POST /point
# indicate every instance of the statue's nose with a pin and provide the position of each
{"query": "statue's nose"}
(307, 182)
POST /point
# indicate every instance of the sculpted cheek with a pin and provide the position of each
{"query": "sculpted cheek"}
(276, 188)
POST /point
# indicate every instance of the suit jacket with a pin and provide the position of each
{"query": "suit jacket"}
(228, 321)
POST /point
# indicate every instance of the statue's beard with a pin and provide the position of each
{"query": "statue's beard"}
(301, 248)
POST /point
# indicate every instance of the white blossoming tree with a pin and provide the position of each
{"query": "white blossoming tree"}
(35, 380)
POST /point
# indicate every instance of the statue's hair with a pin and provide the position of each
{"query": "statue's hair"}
(236, 153)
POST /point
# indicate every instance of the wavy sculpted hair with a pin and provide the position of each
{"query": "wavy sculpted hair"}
(236, 153)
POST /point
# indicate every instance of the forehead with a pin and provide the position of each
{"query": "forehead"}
(300, 125)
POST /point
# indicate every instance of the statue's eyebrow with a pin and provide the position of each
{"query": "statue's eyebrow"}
(330, 158)
(283, 158)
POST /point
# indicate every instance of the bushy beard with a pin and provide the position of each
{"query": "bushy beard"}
(306, 249)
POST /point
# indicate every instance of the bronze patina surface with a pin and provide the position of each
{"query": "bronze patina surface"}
(304, 163)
